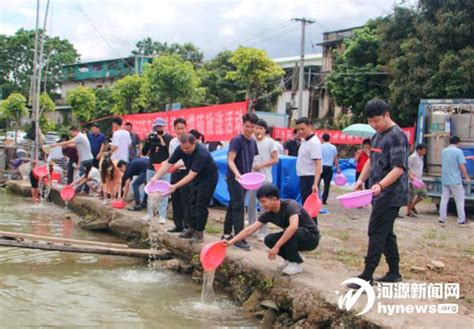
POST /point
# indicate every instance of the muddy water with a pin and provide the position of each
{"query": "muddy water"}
(48, 288)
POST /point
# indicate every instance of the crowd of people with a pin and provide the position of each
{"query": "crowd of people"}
(107, 168)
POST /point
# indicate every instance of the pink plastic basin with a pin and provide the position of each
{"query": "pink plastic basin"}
(160, 186)
(313, 205)
(418, 183)
(212, 255)
(252, 181)
(119, 204)
(67, 193)
(40, 171)
(340, 179)
(356, 199)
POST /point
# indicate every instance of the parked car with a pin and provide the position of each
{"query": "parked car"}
(20, 136)
(51, 137)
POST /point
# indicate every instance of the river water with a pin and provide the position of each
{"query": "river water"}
(49, 288)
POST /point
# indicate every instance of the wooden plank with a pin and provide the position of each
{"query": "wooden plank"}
(144, 253)
(34, 237)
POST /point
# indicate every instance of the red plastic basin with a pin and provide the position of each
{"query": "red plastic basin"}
(313, 205)
(212, 255)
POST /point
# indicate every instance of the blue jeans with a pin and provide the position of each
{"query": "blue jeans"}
(141, 179)
(163, 206)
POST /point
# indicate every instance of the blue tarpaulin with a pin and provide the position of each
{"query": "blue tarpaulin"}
(284, 176)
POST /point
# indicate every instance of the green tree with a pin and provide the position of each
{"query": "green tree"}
(83, 102)
(128, 95)
(187, 51)
(358, 74)
(13, 109)
(213, 77)
(46, 105)
(436, 61)
(170, 79)
(254, 70)
(104, 103)
(16, 58)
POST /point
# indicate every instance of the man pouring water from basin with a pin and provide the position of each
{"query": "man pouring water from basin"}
(202, 178)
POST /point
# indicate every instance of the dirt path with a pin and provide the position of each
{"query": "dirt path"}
(421, 240)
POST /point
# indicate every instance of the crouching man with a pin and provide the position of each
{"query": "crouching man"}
(300, 231)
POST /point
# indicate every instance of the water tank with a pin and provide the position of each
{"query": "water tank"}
(462, 126)
(468, 149)
(438, 129)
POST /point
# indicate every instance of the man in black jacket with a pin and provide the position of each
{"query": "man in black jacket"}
(156, 146)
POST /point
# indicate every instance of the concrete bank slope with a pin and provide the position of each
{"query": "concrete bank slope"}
(306, 300)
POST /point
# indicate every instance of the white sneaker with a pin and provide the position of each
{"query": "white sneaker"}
(261, 237)
(283, 264)
(147, 217)
(292, 268)
(162, 221)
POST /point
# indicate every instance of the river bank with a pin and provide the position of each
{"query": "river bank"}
(307, 300)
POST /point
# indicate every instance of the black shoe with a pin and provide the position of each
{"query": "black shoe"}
(414, 210)
(175, 230)
(136, 207)
(187, 234)
(198, 237)
(400, 216)
(355, 286)
(227, 237)
(243, 245)
(389, 277)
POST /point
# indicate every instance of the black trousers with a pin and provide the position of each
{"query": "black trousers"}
(306, 187)
(234, 217)
(382, 239)
(180, 201)
(326, 176)
(201, 195)
(302, 240)
(70, 172)
(366, 183)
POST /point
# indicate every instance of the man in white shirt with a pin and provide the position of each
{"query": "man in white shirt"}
(415, 171)
(83, 146)
(262, 162)
(121, 141)
(308, 162)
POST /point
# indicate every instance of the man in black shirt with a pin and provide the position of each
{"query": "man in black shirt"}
(156, 146)
(292, 145)
(300, 231)
(388, 170)
(202, 176)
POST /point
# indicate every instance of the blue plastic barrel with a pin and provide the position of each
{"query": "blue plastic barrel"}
(469, 163)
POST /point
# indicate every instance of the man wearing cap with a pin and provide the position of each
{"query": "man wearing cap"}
(156, 146)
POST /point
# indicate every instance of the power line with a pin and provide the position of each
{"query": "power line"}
(101, 35)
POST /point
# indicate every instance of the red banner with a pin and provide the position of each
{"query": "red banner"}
(217, 122)
(337, 137)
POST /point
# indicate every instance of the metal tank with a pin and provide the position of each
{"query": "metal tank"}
(438, 129)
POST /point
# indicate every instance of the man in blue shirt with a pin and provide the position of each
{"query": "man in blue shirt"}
(453, 165)
(329, 157)
(242, 150)
(136, 167)
(97, 141)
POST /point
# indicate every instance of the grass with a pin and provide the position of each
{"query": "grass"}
(434, 234)
(213, 229)
(348, 257)
(344, 236)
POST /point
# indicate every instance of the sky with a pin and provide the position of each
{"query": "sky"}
(104, 29)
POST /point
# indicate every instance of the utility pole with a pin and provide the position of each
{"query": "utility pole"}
(303, 21)
(33, 98)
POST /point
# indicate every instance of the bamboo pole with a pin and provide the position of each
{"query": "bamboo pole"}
(34, 237)
(144, 253)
